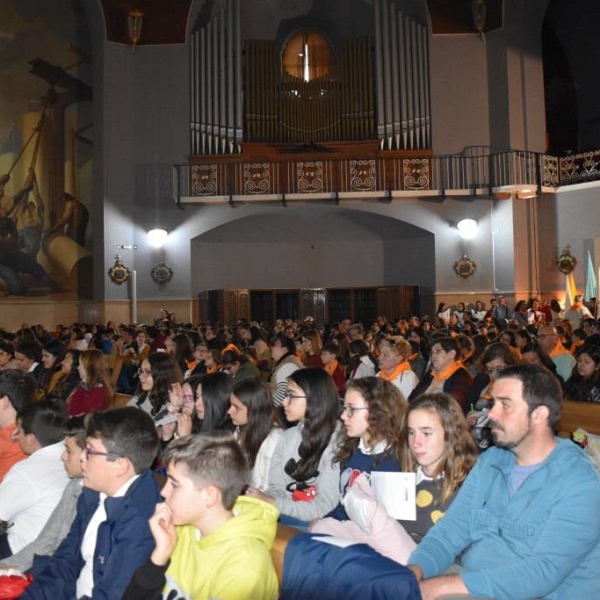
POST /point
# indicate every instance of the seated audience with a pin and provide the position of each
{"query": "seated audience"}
(7, 356)
(394, 365)
(370, 439)
(238, 366)
(329, 354)
(257, 429)
(157, 374)
(53, 354)
(33, 487)
(59, 523)
(17, 390)
(70, 380)
(362, 362)
(495, 357)
(526, 522)
(547, 338)
(448, 373)
(283, 353)
(28, 354)
(110, 536)
(303, 479)
(311, 345)
(95, 392)
(584, 383)
(438, 447)
(209, 541)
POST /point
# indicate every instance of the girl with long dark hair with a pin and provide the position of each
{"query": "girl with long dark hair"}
(256, 427)
(304, 476)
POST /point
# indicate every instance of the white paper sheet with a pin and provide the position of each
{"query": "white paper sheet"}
(397, 492)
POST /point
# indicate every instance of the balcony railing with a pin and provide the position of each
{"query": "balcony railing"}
(320, 176)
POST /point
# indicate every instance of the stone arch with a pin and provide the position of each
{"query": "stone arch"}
(308, 245)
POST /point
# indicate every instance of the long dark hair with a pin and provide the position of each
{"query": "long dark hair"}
(320, 419)
(58, 350)
(216, 389)
(165, 372)
(254, 394)
(578, 388)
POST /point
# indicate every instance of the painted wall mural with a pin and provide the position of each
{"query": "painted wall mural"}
(46, 150)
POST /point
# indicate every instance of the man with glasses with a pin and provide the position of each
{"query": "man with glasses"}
(110, 537)
(548, 341)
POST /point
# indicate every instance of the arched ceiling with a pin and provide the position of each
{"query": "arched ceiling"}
(312, 223)
(167, 22)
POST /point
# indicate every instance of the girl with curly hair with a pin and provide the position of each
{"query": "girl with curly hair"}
(371, 437)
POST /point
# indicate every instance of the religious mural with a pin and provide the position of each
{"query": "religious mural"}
(46, 150)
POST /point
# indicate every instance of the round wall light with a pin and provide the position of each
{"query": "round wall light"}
(467, 228)
(157, 237)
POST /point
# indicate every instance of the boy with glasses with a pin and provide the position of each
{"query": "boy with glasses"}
(110, 537)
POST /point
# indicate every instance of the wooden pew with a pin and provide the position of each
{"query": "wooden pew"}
(284, 535)
(579, 414)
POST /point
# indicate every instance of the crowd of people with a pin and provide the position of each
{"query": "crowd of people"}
(183, 446)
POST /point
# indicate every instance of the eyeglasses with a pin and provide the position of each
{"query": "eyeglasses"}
(349, 411)
(188, 398)
(89, 451)
(493, 370)
(144, 372)
(289, 396)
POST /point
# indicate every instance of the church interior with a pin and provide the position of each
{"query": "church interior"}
(301, 158)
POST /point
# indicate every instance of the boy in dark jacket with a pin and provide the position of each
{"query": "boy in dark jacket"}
(110, 537)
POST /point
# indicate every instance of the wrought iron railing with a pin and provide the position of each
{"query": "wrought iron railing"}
(477, 173)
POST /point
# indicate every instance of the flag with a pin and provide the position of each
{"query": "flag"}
(590, 279)
(570, 291)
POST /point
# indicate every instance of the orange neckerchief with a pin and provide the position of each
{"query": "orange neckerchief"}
(487, 391)
(231, 347)
(439, 378)
(557, 350)
(577, 305)
(575, 346)
(212, 369)
(331, 367)
(403, 366)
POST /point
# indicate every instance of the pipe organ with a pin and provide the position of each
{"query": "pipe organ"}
(376, 89)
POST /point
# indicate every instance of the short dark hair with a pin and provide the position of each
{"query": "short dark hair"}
(211, 458)
(18, 387)
(127, 432)
(7, 347)
(75, 427)
(331, 348)
(44, 419)
(540, 388)
(288, 343)
(32, 350)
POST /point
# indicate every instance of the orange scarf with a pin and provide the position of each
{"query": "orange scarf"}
(575, 346)
(557, 350)
(487, 391)
(439, 378)
(403, 366)
(331, 367)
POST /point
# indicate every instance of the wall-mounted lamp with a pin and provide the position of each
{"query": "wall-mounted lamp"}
(478, 10)
(135, 18)
(467, 228)
(157, 237)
